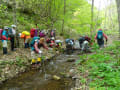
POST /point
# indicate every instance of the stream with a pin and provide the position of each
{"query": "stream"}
(42, 79)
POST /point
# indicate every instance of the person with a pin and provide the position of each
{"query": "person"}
(58, 43)
(4, 39)
(52, 33)
(84, 43)
(100, 38)
(12, 33)
(26, 36)
(36, 44)
(69, 45)
(34, 32)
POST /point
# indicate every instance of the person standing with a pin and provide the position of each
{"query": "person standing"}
(84, 42)
(4, 39)
(100, 38)
(12, 34)
(26, 36)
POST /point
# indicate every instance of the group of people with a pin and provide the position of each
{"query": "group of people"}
(35, 39)
(8, 33)
(85, 42)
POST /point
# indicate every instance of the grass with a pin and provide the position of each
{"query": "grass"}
(103, 68)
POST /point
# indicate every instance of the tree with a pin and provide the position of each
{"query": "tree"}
(92, 15)
(118, 10)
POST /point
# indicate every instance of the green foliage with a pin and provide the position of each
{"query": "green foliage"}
(103, 67)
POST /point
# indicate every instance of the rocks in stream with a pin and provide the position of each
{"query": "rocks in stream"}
(56, 77)
(70, 60)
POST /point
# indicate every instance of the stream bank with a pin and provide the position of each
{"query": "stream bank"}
(18, 62)
(42, 79)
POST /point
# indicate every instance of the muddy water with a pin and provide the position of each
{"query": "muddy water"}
(42, 79)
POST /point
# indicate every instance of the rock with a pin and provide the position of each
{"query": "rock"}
(74, 77)
(71, 60)
(71, 72)
(56, 77)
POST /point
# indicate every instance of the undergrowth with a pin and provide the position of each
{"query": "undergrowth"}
(102, 66)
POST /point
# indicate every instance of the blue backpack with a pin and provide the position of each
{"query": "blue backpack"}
(33, 41)
(69, 41)
(100, 35)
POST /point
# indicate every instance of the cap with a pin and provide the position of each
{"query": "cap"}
(13, 25)
(5, 27)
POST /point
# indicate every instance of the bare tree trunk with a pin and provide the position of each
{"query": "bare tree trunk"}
(92, 15)
(15, 22)
(118, 10)
(64, 15)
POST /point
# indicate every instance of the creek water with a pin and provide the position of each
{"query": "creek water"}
(42, 79)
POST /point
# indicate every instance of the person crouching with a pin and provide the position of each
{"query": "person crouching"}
(37, 44)
(69, 45)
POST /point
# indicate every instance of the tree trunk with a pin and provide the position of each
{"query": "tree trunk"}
(118, 10)
(92, 15)
(64, 15)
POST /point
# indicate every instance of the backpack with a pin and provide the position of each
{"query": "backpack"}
(100, 35)
(1, 30)
(41, 34)
(32, 32)
(82, 39)
(33, 41)
(69, 41)
(10, 33)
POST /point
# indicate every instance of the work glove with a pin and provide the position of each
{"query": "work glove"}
(40, 52)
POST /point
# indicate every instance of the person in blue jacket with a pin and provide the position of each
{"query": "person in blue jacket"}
(4, 39)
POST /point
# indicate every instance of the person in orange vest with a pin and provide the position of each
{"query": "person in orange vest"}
(26, 36)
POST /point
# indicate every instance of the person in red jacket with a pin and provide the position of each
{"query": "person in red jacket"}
(100, 38)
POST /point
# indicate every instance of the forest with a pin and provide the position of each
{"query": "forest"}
(98, 69)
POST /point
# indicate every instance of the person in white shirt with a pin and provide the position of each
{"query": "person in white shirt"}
(12, 34)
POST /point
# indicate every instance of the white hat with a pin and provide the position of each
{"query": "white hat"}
(5, 27)
(13, 26)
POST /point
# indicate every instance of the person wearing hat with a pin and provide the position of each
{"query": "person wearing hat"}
(12, 33)
(4, 39)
